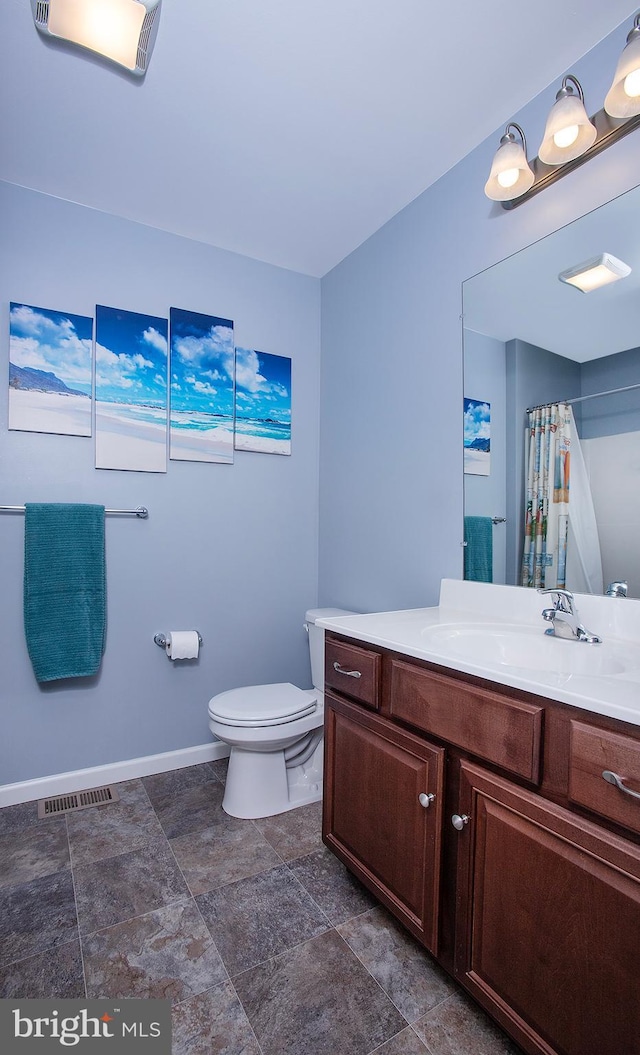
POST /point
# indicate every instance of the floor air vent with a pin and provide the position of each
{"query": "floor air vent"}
(77, 800)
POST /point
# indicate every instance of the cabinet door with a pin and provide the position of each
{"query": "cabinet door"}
(379, 816)
(548, 921)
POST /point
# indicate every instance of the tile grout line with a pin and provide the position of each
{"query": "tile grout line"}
(75, 901)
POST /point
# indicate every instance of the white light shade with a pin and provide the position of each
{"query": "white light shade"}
(568, 132)
(121, 30)
(592, 274)
(510, 174)
(623, 97)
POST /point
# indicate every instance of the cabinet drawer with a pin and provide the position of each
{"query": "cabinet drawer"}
(494, 727)
(592, 752)
(353, 671)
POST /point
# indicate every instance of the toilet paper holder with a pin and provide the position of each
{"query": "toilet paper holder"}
(161, 639)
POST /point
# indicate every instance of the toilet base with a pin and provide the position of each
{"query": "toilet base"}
(260, 785)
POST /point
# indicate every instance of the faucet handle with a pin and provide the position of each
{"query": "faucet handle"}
(563, 600)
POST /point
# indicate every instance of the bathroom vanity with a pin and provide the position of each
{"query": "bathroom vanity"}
(466, 791)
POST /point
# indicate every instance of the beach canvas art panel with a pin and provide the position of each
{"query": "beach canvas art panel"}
(131, 390)
(263, 402)
(477, 437)
(49, 371)
(202, 387)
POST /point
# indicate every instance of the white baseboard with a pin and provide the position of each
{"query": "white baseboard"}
(114, 773)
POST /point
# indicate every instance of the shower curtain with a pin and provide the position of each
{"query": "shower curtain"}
(561, 546)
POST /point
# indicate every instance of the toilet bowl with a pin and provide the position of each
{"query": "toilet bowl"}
(275, 733)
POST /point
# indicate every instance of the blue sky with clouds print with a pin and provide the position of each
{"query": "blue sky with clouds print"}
(263, 386)
(131, 357)
(202, 363)
(54, 342)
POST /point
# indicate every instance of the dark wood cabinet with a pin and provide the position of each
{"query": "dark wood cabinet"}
(549, 921)
(383, 810)
(526, 887)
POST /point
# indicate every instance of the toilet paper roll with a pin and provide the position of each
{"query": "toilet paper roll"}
(182, 644)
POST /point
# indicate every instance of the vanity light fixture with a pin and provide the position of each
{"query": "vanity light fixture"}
(123, 31)
(510, 172)
(568, 132)
(623, 97)
(570, 136)
(600, 271)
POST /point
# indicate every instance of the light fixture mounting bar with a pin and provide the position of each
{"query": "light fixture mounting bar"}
(609, 130)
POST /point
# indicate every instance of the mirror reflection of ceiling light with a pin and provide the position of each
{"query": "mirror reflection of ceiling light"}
(600, 271)
(123, 31)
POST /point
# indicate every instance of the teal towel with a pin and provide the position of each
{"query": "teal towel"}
(478, 552)
(64, 589)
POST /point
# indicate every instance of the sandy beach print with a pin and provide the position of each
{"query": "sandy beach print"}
(202, 385)
(263, 402)
(477, 437)
(49, 371)
(131, 391)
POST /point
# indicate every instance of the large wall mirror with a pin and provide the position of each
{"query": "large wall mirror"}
(531, 339)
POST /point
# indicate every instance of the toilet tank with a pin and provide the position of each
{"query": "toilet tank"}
(316, 641)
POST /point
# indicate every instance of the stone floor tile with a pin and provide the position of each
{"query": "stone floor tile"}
(36, 916)
(131, 884)
(223, 854)
(114, 828)
(191, 809)
(34, 852)
(409, 976)
(405, 1043)
(167, 955)
(17, 818)
(317, 999)
(220, 767)
(53, 974)
(259, 917)
(213, 1023)
(295, 833)
(159, 785)
(336, 890)
(460, 1027)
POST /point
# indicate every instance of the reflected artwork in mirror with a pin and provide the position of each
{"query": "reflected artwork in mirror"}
(532, 339)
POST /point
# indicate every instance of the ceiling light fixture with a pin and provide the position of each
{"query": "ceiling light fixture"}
(570, 136)
(568, 132)
(600, 271)
(123, 31)
(510, 172)
(623, 97)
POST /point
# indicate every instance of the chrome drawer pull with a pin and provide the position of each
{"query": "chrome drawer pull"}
(426, 798)
(460, 821)
(613, 778)
(349, 673)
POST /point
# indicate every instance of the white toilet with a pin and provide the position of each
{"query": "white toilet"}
(275, 733)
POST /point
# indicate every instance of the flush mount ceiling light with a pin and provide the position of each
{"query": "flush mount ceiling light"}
(600, 271)
(569, 132)
(623, 97)
(510, 172)
(123, 31)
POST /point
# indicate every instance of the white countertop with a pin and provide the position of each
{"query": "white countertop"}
(472, 607)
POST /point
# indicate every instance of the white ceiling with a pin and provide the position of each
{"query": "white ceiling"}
(522, 296)
(288, 130)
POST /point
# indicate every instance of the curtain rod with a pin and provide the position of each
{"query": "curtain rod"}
(141, 511)
(580, 399)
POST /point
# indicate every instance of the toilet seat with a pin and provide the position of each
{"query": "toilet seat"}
(257, 706)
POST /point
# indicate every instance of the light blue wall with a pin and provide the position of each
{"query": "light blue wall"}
(610, 415)
(229, 550)
(391, 426)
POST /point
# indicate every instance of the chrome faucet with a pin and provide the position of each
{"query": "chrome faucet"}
(564, 618)
(617, 589)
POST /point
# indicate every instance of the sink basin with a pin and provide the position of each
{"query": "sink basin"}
(498, 644)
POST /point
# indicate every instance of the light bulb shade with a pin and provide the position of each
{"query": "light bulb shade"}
(568, 122)
(510, 174)
(623, 97)
(123, 31)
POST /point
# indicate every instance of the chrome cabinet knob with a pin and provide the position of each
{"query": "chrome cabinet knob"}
(425, 799)
(459, 821)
